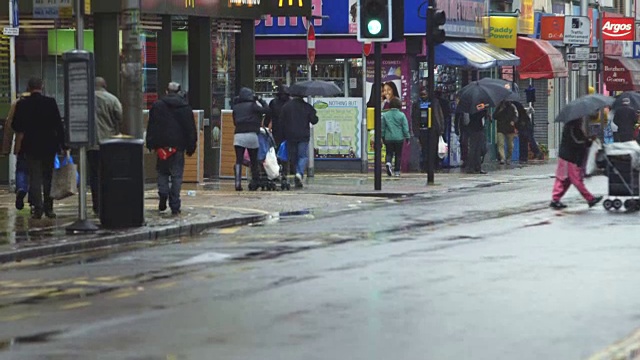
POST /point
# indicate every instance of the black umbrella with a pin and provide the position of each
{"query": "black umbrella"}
(634, 100)
(484, 93)
(582, 107)
(315, 88)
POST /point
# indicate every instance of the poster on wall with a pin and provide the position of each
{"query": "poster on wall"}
(394, 82)
(353, 16)
(338, 132)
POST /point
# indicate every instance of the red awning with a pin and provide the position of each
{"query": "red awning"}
(539, 60)
(621, 74)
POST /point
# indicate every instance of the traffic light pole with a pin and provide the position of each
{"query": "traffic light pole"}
(377, 96)
(432, 98)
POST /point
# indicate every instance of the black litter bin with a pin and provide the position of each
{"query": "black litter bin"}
(122, 183)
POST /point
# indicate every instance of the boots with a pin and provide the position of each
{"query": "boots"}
(255, 176)
(237, 169)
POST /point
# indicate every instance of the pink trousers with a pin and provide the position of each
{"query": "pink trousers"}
(568, 174)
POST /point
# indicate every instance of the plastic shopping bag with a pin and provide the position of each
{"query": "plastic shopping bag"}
(591, 165)
(64, 181)
(270, 163)
(68, 159)
(246, 161)
(443, 148)
(283, 152)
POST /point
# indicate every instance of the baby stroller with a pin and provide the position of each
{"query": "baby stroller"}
(271, 170)
(622, 163)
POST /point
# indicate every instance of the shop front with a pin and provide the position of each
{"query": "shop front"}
(204, 46)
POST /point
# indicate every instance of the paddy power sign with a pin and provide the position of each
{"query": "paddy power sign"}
(503, 31)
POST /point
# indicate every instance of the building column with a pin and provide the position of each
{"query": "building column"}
(200, 63)
(246, 55)
(107, 49)
(165, 55)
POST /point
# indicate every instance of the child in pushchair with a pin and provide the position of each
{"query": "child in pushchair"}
(271, 168)
(622, 163)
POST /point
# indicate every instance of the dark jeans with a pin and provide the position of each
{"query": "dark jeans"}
(253, 156)
(394, 150)
(93, 158)
(423, 136)
(22, 174)
(40, 173)
(170, 174)
(477, 146)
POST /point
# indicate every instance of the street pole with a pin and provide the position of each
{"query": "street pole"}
(363, 131)
(132, 69)
(431, 91)
(82, 198)
(377, 96)
(312, 155)
(583, 79)
(13, 90)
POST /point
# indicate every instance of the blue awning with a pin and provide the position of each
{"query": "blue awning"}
(473, 55)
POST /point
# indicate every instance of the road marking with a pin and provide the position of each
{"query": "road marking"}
(17, 317)
(165, 285)
(124, 294)
(75, 305)
(228, 231)
(244, 210)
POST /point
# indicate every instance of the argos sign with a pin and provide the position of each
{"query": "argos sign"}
(618, 29)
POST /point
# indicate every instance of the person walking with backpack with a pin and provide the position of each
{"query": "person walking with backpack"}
(171, 132)
(395, 131)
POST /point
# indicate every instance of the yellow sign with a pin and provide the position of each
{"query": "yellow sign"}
(503, 31)
(526, 19)
(281, 3)
(87, 7)
(190, 4)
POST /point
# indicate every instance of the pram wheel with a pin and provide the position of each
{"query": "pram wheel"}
(617, 204)
(608, 204)
(630, 205)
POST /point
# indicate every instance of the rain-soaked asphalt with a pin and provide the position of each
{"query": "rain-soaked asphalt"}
(487, 273)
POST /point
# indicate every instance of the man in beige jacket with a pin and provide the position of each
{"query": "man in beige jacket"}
(108, 120)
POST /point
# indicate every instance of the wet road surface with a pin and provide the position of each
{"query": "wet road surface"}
(486, 273)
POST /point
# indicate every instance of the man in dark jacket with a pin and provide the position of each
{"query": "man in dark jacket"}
(282, 98)
(296, 117)
(37, 118)
(477, 142)
(171, 132)
(506, 117)
(625, 118)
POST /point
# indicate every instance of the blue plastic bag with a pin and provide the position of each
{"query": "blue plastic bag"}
(283, 152)
(65, 160)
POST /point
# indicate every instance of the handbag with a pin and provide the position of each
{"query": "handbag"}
(165, 153)
(270, 164)
(591, 164)
(283, 152)
(64, 179)
(443, 148)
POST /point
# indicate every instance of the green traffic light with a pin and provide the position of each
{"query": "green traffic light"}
(374, 27)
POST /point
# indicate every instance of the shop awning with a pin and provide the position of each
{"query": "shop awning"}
(503, 58)
(463, 54)
(539, 59)
(621, 74)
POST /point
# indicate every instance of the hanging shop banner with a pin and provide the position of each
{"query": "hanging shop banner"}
(503, 31)
(527, 16)
(552, 28)
(338, 132)
(618, 28)
(464, 19)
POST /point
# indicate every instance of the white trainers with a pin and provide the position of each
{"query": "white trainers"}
(389, 172)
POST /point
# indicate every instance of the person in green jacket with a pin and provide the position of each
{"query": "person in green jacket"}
(395, 130)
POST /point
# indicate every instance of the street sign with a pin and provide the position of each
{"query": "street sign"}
(590, 66)
(591, 57)
(311, 44)
(79, 96)
(582, 53)
(618, 29)
(11, 31)
(366, 48)
(16, 14)
(636, 50)
(577, 30)
(552, 28)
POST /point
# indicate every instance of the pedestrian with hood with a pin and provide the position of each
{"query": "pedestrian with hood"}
(569, 171)
(171, 132)
(395, 131)
(37, 120)
(248, 111)
(525, 134)
(297, 117)
(273, 118)
(506, 117)
(476, 141)
(22, 168)
(108, 121)
(625, 119)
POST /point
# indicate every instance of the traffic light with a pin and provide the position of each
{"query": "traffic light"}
(436, 22)
(374, 20)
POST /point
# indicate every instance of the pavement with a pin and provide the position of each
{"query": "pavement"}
(216, 204)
